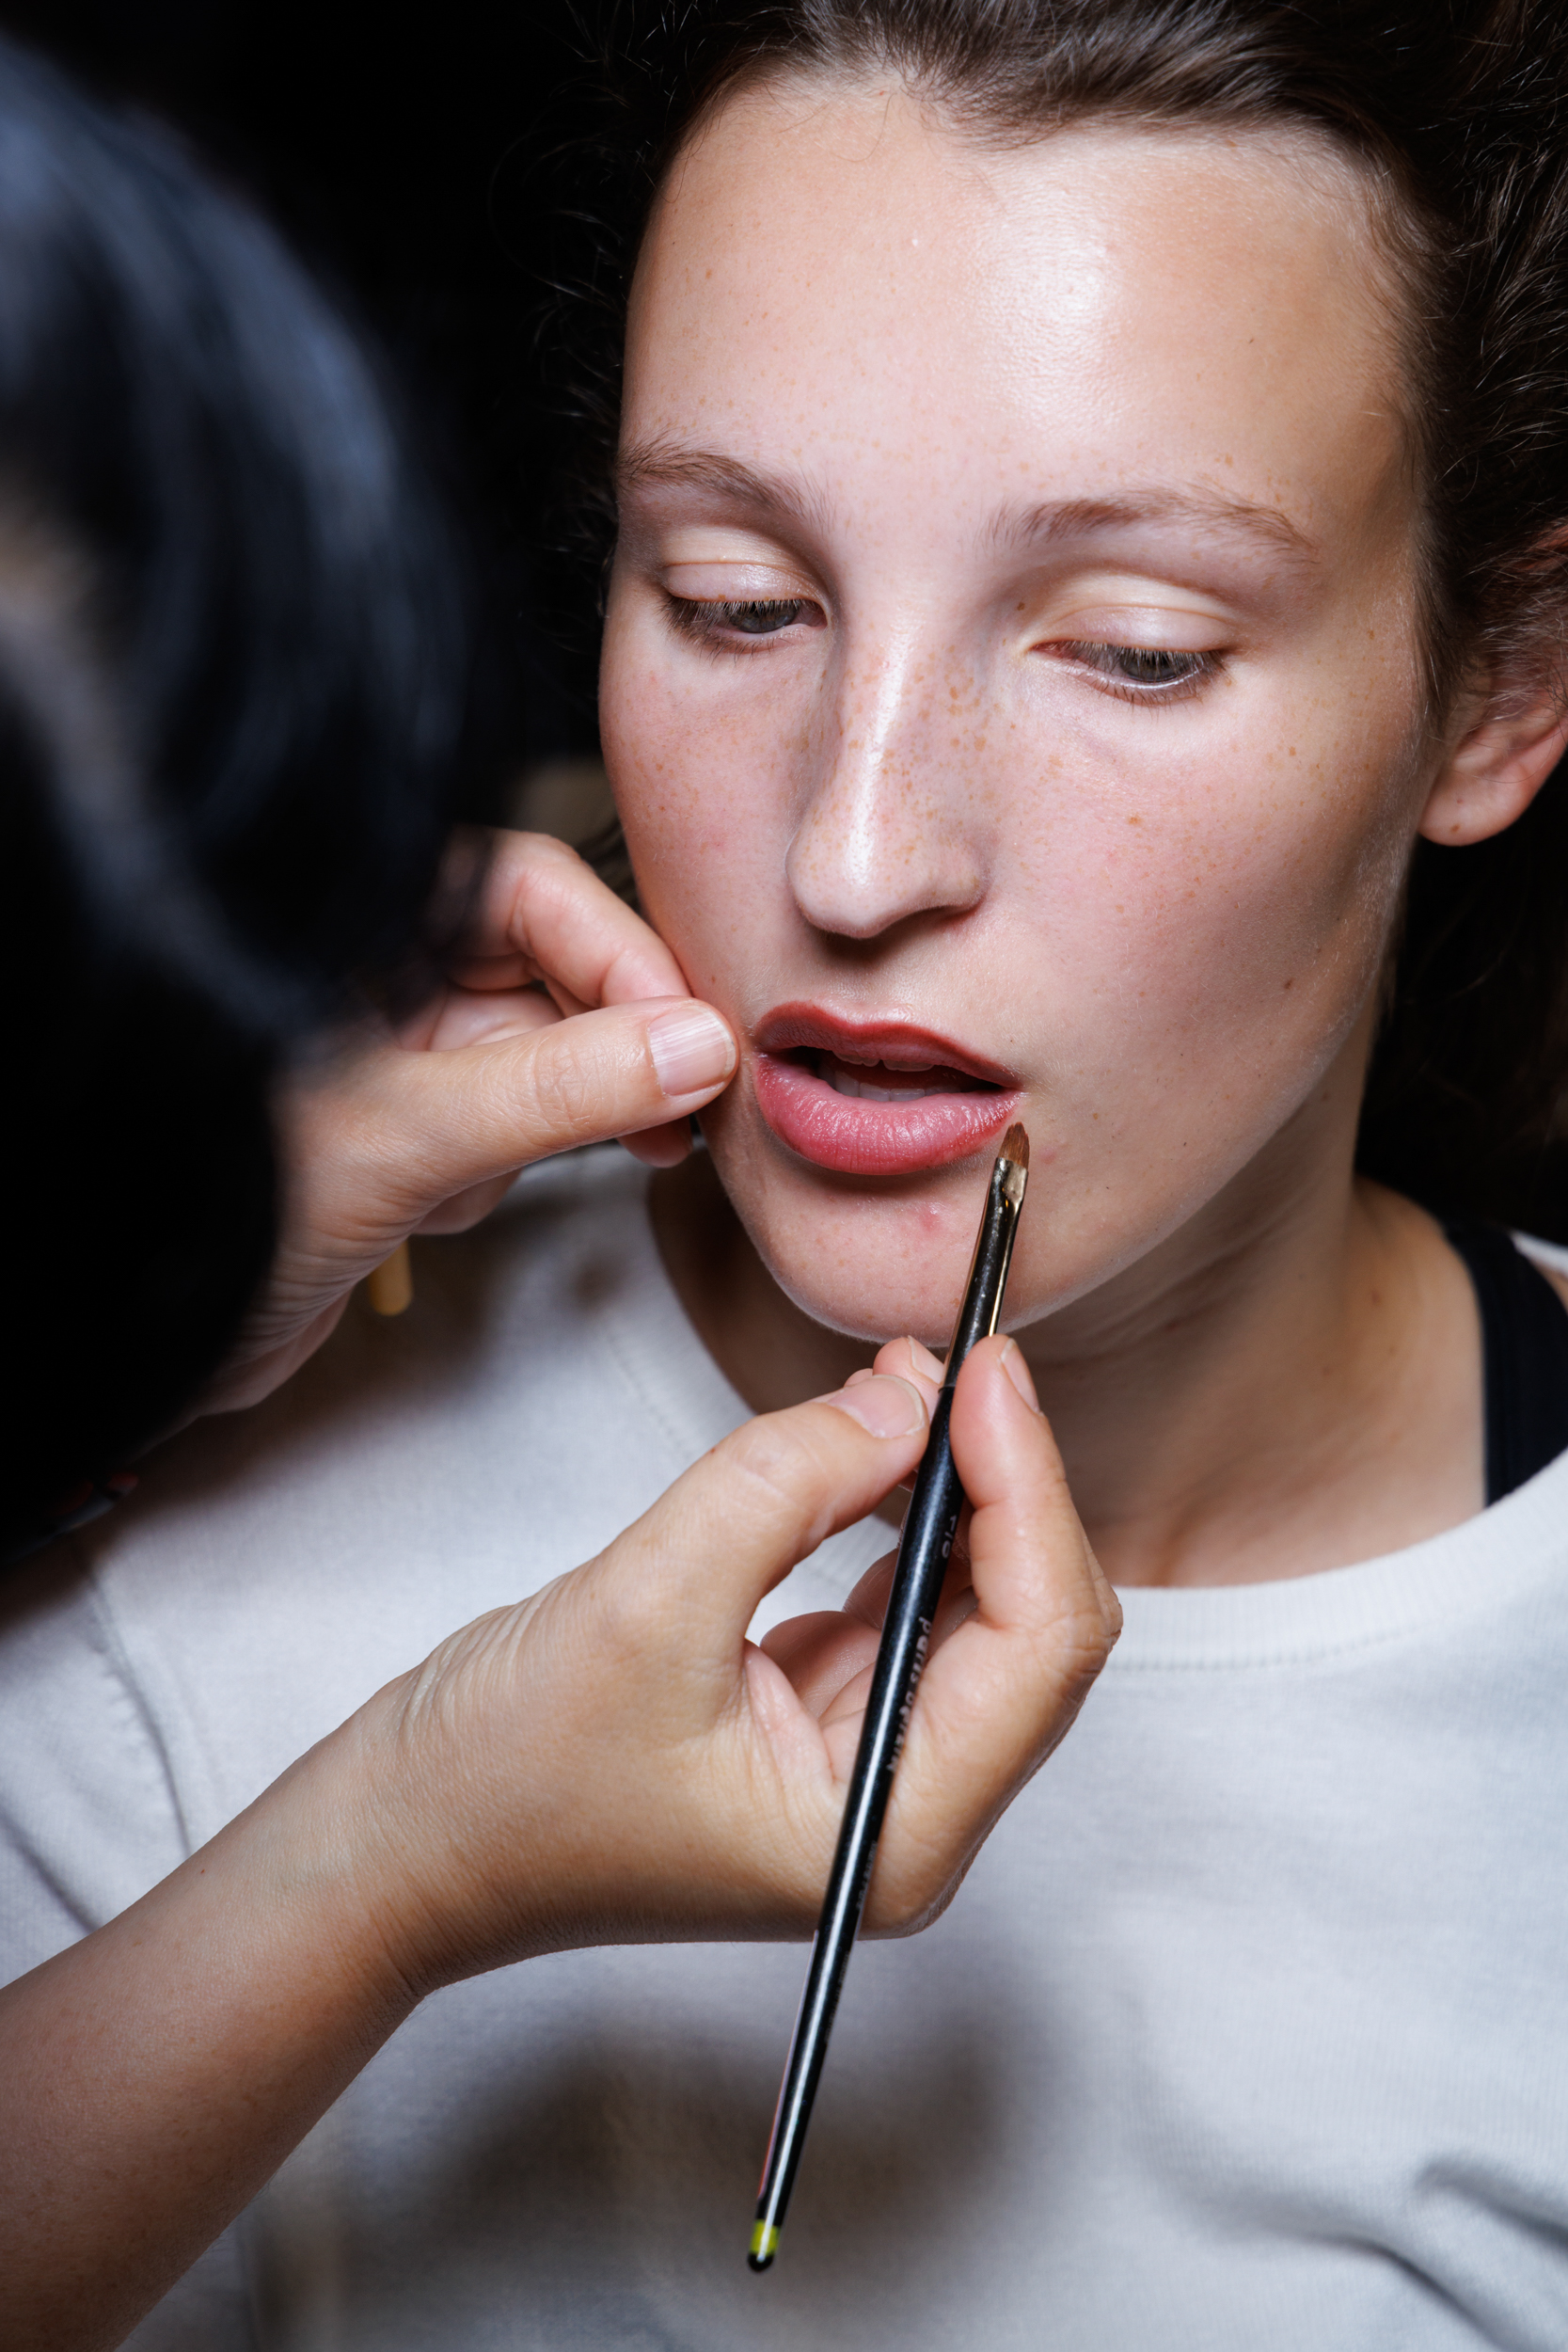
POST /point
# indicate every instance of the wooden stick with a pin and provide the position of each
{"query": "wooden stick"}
(390, 1288)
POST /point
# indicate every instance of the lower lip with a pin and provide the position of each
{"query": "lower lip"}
(855, 1138)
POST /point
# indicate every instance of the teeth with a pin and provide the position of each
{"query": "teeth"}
(862, 1090)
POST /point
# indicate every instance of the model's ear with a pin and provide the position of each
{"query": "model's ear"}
(1499, 766)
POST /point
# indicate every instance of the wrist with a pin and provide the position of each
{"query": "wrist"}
(304, 1878)
(434, 1902)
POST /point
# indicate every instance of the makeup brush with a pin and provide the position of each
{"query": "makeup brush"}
(924, 1547)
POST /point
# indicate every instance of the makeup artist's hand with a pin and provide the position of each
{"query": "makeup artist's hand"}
(612, 1759)
(567, 1021)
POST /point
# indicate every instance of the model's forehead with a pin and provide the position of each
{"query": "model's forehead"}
(836, 282)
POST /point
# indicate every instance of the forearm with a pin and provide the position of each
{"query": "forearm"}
(157, 2074)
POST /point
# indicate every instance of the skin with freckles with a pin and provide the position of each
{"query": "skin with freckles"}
(1012, 667)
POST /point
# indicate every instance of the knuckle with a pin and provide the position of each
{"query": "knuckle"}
(777, 1480)
(545, 864)
(914, 1914)
(546, 875)
(563, 1085)
(914, 1898)
(771, 1457)
(1083, 1650)
(624, 1620)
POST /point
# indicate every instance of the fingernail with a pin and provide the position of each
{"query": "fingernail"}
(1018, 1372)
(691, 1049)
(886, 1406)
(923, 1361)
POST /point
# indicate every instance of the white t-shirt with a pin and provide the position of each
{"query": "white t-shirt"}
(1249, 2032)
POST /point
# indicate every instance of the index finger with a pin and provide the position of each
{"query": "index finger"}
(542, 906)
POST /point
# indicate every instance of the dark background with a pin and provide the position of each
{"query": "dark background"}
(399, 155)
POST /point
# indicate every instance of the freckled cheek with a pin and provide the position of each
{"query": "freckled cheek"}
(1201, 896)
(704, 815)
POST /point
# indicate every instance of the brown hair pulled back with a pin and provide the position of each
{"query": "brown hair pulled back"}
(1458, 111)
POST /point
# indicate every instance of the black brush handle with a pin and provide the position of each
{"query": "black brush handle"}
(923, 1556)
(924, 1551)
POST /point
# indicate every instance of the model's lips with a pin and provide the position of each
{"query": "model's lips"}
(875, 1098)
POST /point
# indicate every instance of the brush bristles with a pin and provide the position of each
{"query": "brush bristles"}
(1015, 1145)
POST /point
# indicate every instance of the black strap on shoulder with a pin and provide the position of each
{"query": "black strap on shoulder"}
(1524, 1331)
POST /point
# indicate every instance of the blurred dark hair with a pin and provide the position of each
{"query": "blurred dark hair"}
(234, 668)
(1458, 112)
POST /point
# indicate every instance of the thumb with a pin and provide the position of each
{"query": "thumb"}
(692, 1570)
(433, 1124)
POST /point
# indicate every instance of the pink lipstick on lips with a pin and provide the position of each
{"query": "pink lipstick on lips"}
(876, 1098)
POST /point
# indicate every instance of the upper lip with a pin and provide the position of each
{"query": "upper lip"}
(896, 1045)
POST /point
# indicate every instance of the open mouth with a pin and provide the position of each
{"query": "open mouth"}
(874, 1098)
(876, 1081)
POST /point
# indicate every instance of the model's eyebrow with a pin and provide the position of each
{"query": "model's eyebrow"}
(667, 466)
(1084, 518)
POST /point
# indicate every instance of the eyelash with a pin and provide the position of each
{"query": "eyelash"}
(1128, 687)
(708, 623)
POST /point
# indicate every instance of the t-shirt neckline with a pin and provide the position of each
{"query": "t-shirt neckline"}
(1487, 1563)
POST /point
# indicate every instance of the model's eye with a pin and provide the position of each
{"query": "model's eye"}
(724, 621)
(1148, 670)
(760, 620)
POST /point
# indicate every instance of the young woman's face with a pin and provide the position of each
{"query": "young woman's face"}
(1011, 685)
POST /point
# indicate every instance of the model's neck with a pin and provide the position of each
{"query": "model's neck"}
(1291, 1383)
(1297, 1393)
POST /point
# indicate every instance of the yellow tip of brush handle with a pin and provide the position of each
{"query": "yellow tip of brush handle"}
(390, 1288)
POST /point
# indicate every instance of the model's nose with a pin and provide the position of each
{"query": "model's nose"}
(891, 828)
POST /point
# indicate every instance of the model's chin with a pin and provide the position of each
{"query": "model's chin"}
(871, 1260)
(872, 1305)
(851, 1135)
